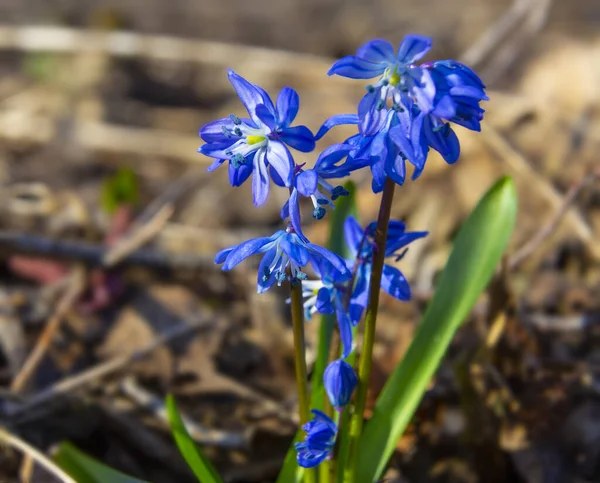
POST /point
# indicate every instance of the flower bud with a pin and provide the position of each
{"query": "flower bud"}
(339, 380)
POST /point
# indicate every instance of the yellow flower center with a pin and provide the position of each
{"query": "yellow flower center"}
(394, 79)
(255, 139)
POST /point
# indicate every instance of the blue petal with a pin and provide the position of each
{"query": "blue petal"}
(238, 175)
(285, 210)
(246, 249)
(410, 142)
(337, 120)
(413, 48)
(222, 255)
(262, 284)
(356, 68)
(379, 176)
(345, 328)
(377, 51)
(394, 283)
(248, 93)
(213, 131)
(395, 168)
(322, 417)
(281, 161)
(335, 260)
(444, 142)
(266, 116)
(311, 459)
(353, 234)
(215, 164)
(306, 182)
(394, 244)
(217, 150)
(276, 178)
(298, 137)
(329, 157)
(371, 118)
(288, 103)
(294, 213)
(444, 108)
(423, 89)
(340, 381)
(297, 252)
(323, 304)
(260, 179)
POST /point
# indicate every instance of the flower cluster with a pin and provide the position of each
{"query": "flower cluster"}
(409, 109)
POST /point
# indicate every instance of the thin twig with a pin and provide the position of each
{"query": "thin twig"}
(104, 369)
(160, 47)
(45, 339)
(519, 165)
(494, 35)
(200, 434)
(549, 228)
(26, 469)
(515, 44)
(139, 237)
(38, 456)
(154, 218)
(93, 254)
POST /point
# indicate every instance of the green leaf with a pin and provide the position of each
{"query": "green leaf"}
(477, 250)
(346, 205)
(85, 469)
(197, 461)
(120, 189)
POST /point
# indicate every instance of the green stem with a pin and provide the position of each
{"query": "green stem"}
(300, 363)
(364, 368)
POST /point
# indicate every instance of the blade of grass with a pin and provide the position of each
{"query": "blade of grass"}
(193, 455)
(477, 250)
(85, 469)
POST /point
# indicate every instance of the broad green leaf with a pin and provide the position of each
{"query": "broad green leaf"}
(197, 461)
(478, 248)
(346, 205)
(85, 469)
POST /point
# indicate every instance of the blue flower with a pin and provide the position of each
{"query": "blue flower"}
(326, 296)
(312, 183)
(398, 76)
(283, 251)
(458, 94)
(459, 91)
(340, 381)
(259, 144)
(361, 245)
(319, 441)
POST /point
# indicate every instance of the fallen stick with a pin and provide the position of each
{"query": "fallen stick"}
(93, 255)
(99, 371)
(41, 459)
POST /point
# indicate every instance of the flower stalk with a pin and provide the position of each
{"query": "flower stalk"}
(300, 363)
(365, 359)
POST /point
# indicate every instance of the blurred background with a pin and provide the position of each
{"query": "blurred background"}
(109, 223)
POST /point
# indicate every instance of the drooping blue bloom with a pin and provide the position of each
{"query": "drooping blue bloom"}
(458, 94)
(362, 246)
(283, 251)
(259, 144)
(398, 76)
(340, 381)
(459, 90)
(327, 296)
(312, 183)
(319, 441)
